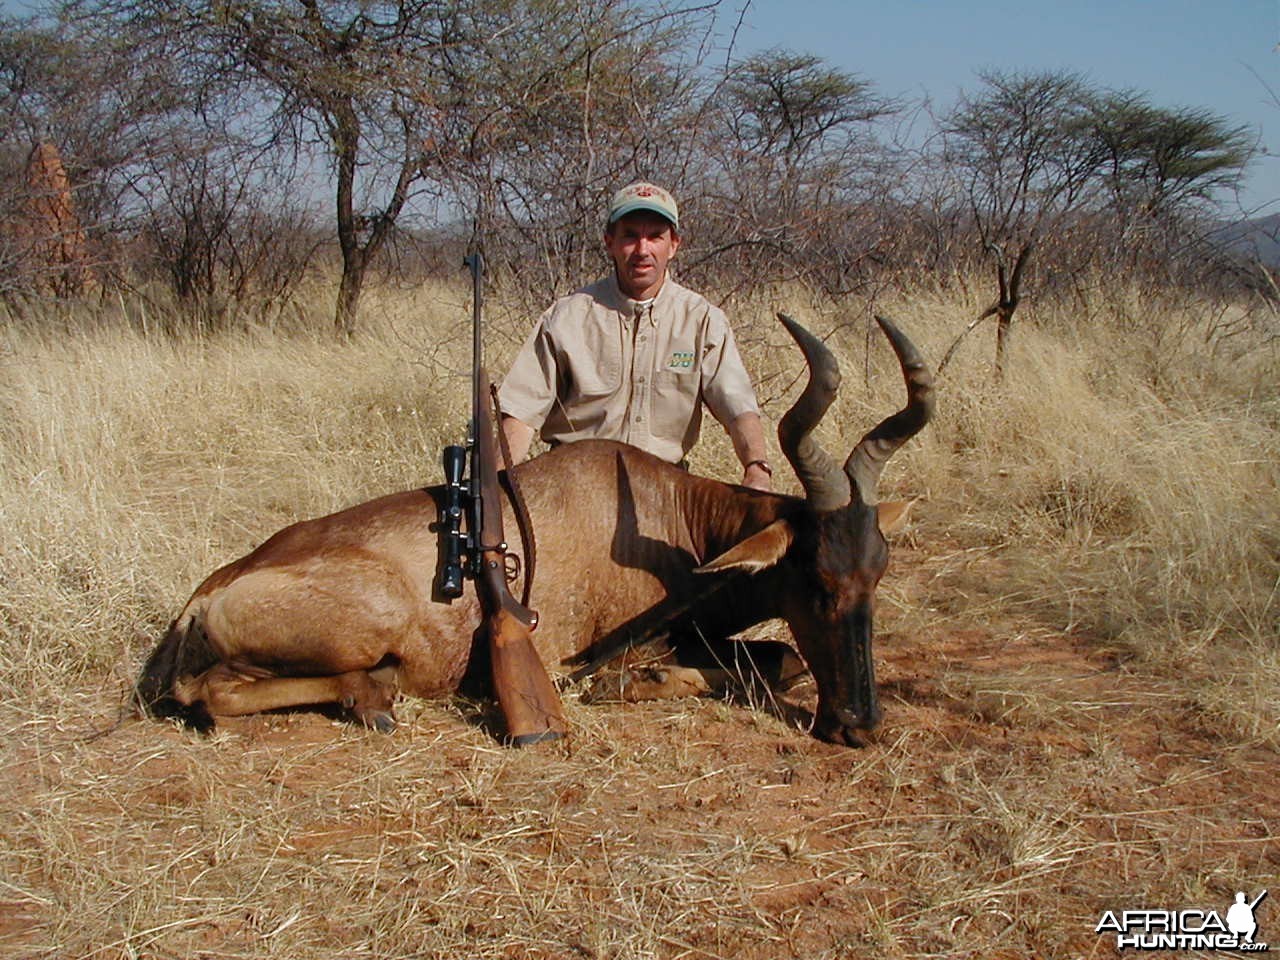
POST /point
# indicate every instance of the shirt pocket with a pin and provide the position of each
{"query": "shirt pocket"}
(597, 374)
(674, 404)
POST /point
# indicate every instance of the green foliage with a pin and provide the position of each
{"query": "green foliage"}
(1032, 147)
(791, 152)
(1155, 160)
(1038, 154)
(1022, 151)
(780, 102)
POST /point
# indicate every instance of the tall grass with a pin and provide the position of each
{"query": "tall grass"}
(1128, 469)
(1136, 499)
(136, 461)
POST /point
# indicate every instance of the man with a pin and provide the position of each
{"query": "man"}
(634, 356)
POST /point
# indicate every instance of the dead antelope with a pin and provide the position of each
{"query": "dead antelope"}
(346, 608)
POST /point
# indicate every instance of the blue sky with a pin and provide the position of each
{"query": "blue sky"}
(1197, 53)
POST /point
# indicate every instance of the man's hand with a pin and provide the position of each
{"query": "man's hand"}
(757, 476)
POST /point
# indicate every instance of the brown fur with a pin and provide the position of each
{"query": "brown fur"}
(349, 592)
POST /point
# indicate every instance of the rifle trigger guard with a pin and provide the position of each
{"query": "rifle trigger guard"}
(511, 566)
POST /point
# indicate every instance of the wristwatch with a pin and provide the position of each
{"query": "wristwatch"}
(762, 464)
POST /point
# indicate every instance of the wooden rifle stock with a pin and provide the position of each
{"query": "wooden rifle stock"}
(526, 694)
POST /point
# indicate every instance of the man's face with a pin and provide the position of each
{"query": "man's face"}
(641, 245)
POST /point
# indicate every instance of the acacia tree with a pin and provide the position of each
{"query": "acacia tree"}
(553, 115)
(1160, 166)
(1159, 159)
(790, 150)
(483, 106)
(355, 80)
(1031, 151)
(1021, 153)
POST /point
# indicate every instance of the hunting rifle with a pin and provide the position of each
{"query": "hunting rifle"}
(525, 693)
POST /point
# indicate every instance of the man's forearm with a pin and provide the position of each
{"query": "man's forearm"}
(519, 436)
(747, 433)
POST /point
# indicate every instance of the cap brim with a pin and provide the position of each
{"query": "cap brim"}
(636, 205)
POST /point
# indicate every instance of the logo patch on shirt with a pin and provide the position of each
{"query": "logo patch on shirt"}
(680, 360)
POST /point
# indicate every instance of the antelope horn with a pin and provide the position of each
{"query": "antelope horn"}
(826, 487)
(874, 450)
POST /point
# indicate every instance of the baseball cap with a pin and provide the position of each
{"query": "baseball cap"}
(644, 196)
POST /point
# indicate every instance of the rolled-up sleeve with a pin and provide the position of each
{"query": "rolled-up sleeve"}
(726, 386)
(529, 388)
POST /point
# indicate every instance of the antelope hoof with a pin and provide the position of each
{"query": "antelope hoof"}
(383, 722)
(841, 737)
(186, 690)
(844, 727)
(532, 739)
(371, 701)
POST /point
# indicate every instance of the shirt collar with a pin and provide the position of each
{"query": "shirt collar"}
(633, 308)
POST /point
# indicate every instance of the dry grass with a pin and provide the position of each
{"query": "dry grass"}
(1080, 664)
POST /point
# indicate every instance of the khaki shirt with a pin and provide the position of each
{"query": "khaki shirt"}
(601, 365)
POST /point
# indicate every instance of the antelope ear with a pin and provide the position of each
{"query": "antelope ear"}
(757, 552)
(892, 515)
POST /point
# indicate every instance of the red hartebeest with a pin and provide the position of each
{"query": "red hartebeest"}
(345, 608)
